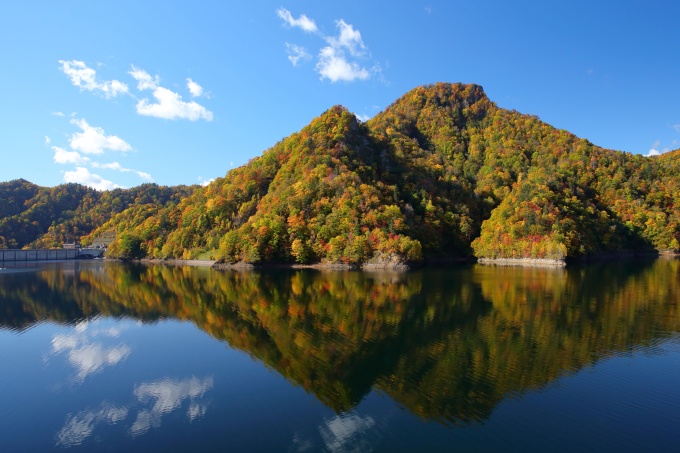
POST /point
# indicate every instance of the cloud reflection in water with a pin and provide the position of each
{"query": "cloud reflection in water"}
(80, 426)
(168, 395)
(86, 350)
(163, 396)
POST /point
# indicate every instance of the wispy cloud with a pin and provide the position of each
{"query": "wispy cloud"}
(93, 140)
(168, 104)
(303, 22)
(655, 149)
(348, 38)
(82, 175)
(118, 167)
(676, 127)
(144, 79)
(85, 78)
(344, 56)
(297, 53)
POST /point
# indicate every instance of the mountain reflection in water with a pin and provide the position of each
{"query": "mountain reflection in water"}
(447, 344)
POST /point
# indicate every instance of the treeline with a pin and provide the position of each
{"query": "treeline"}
(46, 217)
(442, 173)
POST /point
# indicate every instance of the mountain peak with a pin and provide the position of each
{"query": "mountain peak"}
(442, 172)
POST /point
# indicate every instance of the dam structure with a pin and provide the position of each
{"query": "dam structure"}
(13, 256)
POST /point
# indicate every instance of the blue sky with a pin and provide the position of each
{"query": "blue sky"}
(118, 93)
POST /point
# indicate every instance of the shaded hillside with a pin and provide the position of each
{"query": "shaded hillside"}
(46, 217)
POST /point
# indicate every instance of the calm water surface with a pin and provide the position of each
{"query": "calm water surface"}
(109, 357)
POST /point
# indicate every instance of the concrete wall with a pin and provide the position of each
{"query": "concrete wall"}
(37, 255)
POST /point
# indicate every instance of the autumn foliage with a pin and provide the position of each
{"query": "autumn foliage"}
(441, 173)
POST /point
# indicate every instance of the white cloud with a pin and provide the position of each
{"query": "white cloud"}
(349, 38)
(303, 22)
(676, 127)
(194, 88)
(85, 78)
(61, 114)
(363, 118)
(205, 182)
(82, 175)
(655, 151)
(118, 167)
(339, 59)
(170, 106)
(93, 140)
(333, 66)
(297, 53)
(48, 140)
(333, 63)
(62, 156)
(144, 79)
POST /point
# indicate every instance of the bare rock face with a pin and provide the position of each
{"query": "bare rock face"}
(522, 262)
(382, 261)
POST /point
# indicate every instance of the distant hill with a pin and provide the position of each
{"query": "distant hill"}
(442, 173)
(45, 217)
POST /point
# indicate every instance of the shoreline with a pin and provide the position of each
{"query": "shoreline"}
(174, 262)
(400, 266)
(318, 266)
(242, 266)
(545, 262)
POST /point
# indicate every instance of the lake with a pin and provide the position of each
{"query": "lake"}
(100, 356)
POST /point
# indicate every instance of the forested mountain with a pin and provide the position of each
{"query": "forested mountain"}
(442, 173)
(46, 217)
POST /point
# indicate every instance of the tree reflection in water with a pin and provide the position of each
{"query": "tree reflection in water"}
(448, 344)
